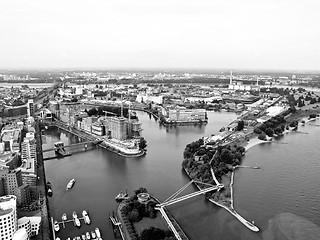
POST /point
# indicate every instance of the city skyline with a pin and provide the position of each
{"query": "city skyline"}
(251, 35)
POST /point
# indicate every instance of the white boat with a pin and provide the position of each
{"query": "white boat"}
(77, 222)
(93, 234)
(97, 232)
(70, 184)
(78, 238)
(56, 226)
(86, 217)
(64, 217)
(49, 192)
(83, 237)
(88, 235)
(122, 196)
(68, 238)
(57, 238)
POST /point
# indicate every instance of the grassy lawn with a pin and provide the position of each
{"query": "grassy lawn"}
(146, 223)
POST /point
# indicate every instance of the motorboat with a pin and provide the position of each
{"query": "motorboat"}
(76, 220)
(78, 238)
(83, 236)
(64, 217)
(57, 238)
(97, 232)
(121, 196)
(68, 238)
(56, 226)
(49, 192)
(70, 184)
(86, 217)
(88, 235)
(93, 235)
(49, 187)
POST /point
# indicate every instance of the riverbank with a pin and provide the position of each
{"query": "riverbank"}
(45, 229)
(122, 151)
(183, 123)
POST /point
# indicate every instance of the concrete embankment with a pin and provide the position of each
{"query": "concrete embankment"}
(45, 229)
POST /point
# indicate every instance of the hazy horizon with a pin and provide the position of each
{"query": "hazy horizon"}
(246, 35)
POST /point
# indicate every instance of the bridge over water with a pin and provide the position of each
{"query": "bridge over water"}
(174, 199)
(72, 145)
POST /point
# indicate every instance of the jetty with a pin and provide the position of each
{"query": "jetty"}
(230, 209)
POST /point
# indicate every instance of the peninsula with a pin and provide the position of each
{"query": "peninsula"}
(214, 159)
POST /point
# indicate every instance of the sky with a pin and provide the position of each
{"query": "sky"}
(165, 34)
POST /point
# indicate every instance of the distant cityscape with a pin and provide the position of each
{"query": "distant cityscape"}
(102, 108)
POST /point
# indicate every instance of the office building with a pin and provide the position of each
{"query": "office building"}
(8, 216)
(30, 108)
(13, 179)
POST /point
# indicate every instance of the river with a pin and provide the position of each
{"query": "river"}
(287, 181)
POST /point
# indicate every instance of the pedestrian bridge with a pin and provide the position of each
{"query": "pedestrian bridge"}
(174, 199)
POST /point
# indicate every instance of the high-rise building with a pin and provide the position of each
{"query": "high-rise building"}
(8, 216)
(30, 108)
(29, 162)
(13, 179)
(23, 195)
(117, 127)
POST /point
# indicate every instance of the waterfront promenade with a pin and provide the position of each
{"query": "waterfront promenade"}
(45, 229)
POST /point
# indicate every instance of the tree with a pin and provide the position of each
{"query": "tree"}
(240, 125)
(142, 143)
(269, 132)
(134, 215)
(257, 130)
(140, 190)
(262, 136)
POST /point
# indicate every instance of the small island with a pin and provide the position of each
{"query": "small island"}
(139, 218)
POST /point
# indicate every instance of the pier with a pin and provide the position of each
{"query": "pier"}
(231, 209)
(116, 225)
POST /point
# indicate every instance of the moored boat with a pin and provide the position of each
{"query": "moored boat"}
(76, 220)
(64, 217)
(70, 184)
(98, 232)
(121, 196)
(56, 226)
(49, 192)
(49, 187)
(93, 234)
(88, 235)
(86, 217)
(83, 236)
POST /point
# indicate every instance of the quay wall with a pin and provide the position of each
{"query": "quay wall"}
(45, 229)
